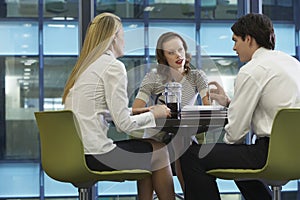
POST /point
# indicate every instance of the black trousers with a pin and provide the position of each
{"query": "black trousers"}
(200, 158)
(129, 154)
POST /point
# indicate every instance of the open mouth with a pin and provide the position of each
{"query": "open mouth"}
(179, 62)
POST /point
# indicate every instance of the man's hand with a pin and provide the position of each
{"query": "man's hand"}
(218, 94)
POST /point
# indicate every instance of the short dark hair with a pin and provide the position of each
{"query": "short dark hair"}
(258, 26)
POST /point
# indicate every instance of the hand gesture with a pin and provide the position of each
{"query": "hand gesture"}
(218, 94)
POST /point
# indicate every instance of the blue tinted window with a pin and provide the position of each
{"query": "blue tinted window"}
(61, 38)
(216, 39)
(19, 38)
(134, 38)
(285, 38)
(187, 31)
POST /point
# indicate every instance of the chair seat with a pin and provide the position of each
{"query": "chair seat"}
(117, 175)
(246, 174)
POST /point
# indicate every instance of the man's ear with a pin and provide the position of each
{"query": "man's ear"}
(248, 38)
(251, 41)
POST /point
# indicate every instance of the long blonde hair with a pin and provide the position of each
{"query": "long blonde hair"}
(98, 39)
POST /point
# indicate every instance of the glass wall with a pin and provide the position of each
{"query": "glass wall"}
(30, 8)
(40, 42)
(282, 10)
(170, 9)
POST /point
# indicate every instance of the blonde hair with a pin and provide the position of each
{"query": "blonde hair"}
(98, 39)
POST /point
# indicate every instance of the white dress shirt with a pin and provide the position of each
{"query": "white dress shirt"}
(268, 82)
(102, 87)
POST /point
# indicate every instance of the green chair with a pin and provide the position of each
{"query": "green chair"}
(283, 158)
(62, 154)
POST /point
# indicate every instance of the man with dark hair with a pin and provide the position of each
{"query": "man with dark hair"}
(267, 82)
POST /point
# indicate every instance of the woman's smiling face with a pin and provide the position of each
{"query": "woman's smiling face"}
(174, 53)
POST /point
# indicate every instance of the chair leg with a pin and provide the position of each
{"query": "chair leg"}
(84, 193)
(276, 192)
(178, 196)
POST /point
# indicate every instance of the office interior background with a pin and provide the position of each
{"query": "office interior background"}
(39, 44)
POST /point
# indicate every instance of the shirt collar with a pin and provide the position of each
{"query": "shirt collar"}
(109, 52)
(259, 52)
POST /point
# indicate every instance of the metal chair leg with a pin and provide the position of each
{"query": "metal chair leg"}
(178, 196)
(84, 193)
(276, 192)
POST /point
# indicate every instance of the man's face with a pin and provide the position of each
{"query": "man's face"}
(242, 47)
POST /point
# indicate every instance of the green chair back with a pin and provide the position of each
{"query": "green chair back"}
(283, 158)
(62, 152)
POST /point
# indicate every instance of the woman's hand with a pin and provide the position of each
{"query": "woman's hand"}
(139, 106)
(136, 111)
(160, 111)
(218, 94)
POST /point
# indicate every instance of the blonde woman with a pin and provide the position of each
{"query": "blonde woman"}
(97, 85)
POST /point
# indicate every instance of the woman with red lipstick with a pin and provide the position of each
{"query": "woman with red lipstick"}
(173, 65)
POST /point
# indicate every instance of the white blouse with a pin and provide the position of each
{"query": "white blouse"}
(102, 87)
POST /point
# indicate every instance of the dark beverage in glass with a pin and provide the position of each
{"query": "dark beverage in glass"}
(173, 98)
(175, 110)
